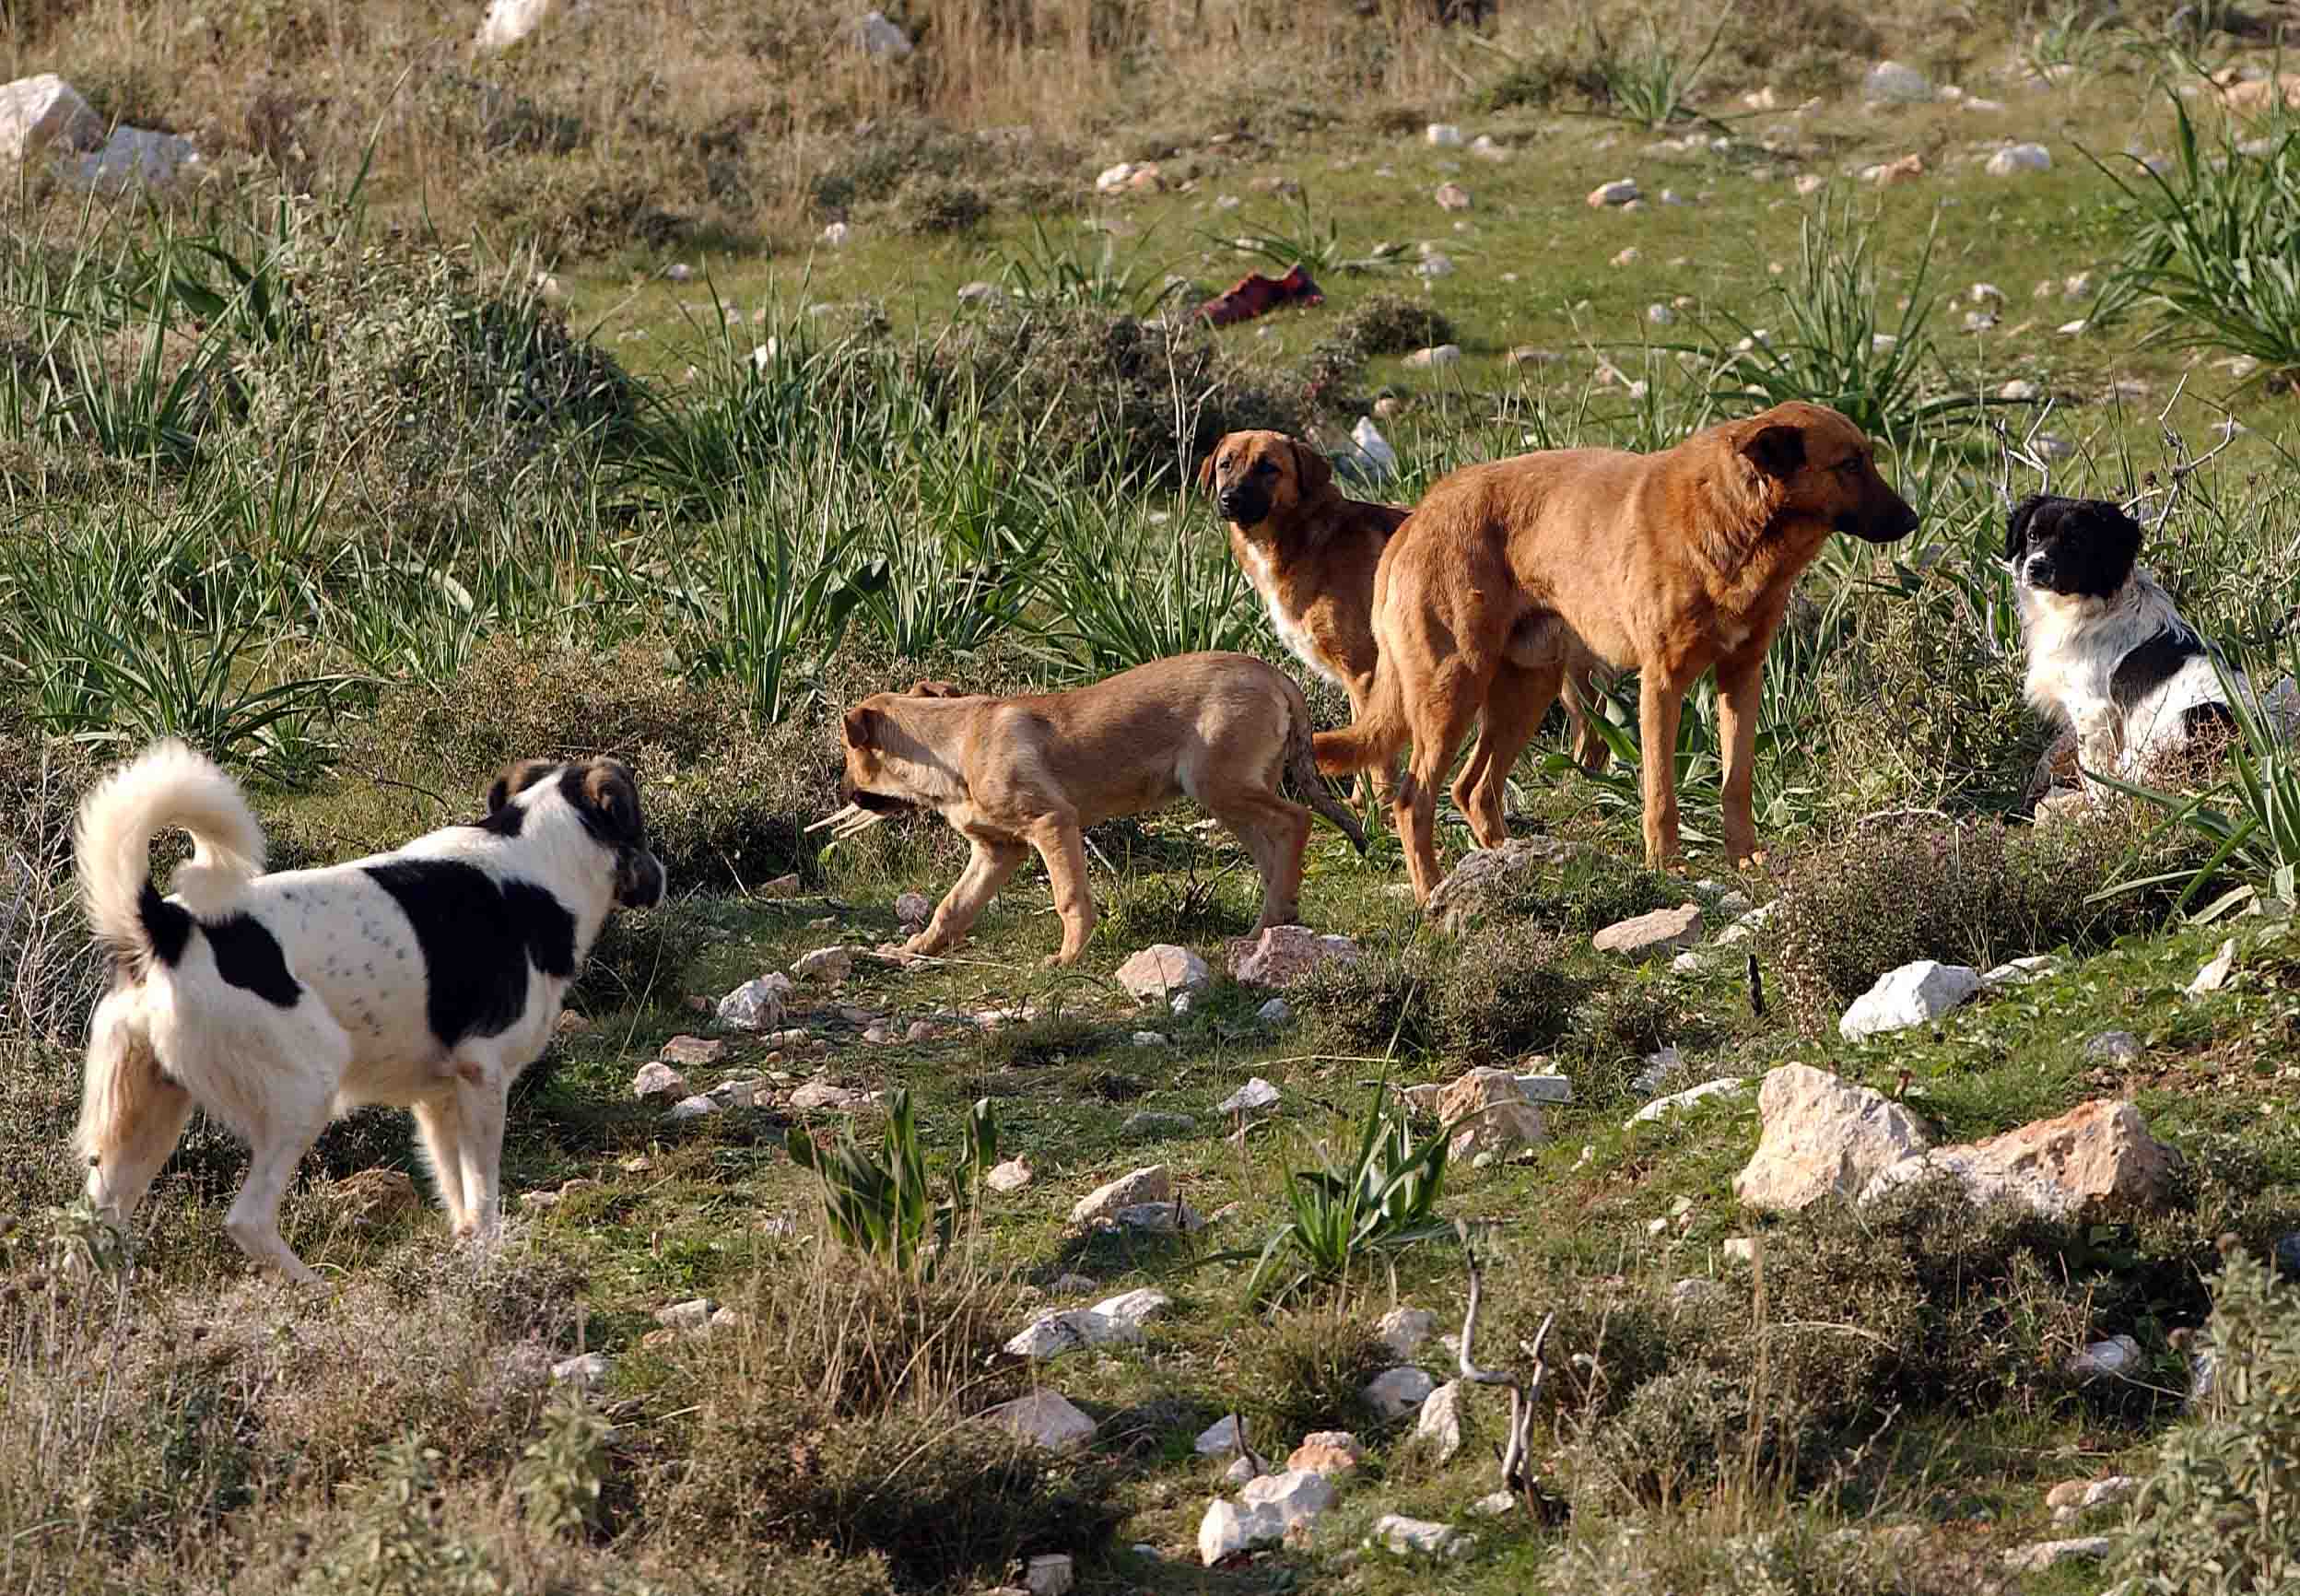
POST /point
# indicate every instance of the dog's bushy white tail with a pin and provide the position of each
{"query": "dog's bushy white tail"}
(168, 785)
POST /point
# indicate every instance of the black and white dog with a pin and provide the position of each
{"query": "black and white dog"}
(2108, 654)
(426, 977)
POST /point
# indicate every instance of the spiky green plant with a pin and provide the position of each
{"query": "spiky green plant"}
(884, 1202)
(1385, 1200)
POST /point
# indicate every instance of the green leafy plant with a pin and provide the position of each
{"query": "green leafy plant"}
(1043, 272)
(2211, 245)
(1302, 240)
(1828, 341)
(558, 1476)
(1385, 1200)
(1651, 83)
(2217, 1514)
(882, 1203)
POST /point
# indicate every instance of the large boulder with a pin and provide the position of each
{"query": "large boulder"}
(1485, 1111)
(42, 113)
(1265, 1512)
(2096, 1162)
(1823, 1136)
(1046, 1417)
(1485, 874)
(134, 158)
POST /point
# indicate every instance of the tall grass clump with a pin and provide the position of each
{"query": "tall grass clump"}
(2211, 258)
(1831, 337)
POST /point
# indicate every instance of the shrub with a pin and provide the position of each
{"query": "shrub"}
(1487, 997)
(1976, 893)
(1306, 1373)
(2217, 1514)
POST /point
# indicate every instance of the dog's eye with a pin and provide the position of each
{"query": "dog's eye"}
(1264, 467)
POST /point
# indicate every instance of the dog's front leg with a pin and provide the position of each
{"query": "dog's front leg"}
(995, 861)
(1740, 698)
(439, 1121)
(2099, 741)
(1661, 703)
(1060, 844)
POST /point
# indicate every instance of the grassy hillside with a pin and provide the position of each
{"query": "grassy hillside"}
(617, 392)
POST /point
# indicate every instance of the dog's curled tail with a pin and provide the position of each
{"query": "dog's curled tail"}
(166, 786)
(1374, 738)
(1302, 766)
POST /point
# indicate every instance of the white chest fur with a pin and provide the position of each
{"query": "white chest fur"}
(1263, 572)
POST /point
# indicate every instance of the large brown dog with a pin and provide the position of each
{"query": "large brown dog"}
(1670, 562)
(1311, 554)
(1014, 774)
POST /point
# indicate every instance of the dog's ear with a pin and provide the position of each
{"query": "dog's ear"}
(1313, 476)
(1777, 449)
(922, 688)
(2115, 533)
(1206, 468)
(517, 777)
(861, 727)
(607, 795)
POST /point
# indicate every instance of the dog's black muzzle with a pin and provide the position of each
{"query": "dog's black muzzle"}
(1246, 506)
(877, 803)
(639, 879)
(1886, 525)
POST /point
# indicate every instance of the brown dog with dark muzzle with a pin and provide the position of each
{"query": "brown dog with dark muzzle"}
(1311, 554)
(1672, 562)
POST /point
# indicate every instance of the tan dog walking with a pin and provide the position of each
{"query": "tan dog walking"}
(1034, 772)
(1311, 553)
(1672, 562)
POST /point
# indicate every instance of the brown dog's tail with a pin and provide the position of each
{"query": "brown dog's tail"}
(1301, 764)
(1374, 738)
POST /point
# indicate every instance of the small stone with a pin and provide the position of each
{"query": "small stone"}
(587, 1371)
(1915, 994)
(679, 272)
(1219, 1438)
(2115, 1358)
(913, 908)
(1135, 1308)
(755, 1005)
(1333, 1453)
(1046, 1417)
(132, 157)
(692, 1314)
(2095, 1163)
(1545, 1088)
(1693, 1292)
(1649, 935)
(1067, 1330)
(1276, 1011)
(1075, 1285)
(1677, 1102)
(1150, 1124)
(1810, 183)
(1267, 1510)
(2020, 157)
(979, 292)
(2216, 971)
(1485, 149)
(880, 39)
(2120, 1049)
(41, 112)
(1484, 1112)
(1891, 83)
(2046, 1555)
(1439, 1425)
(1452, 196)
(1908, 169)
(2021, 972)
(1285, 954)
(825, 964)
(1532, 354)
(1255, 1094)
(824, 1095)
(1419, 1536)
(1396, 1392)
(1011, 1176)
(658, 1080)
(2071, 1499)
(1370, 458)
(1158, 1219)
(1154, 1184)
(692, 1108)
(2019, 388)
(1740, 1249)
(1150, 1039)
(1241, 1470)
(1403, 1329)
(693, 1050)
(1494, 1505)
(1443, 136)
(1440, 355)
(1620, 191)
(1659, 315)
(1435, 264)
(1627, 257)
(1050, 1574)
(1162, 970)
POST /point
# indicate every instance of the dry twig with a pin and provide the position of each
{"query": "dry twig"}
(1515, 1478)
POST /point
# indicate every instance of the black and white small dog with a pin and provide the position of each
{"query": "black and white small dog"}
(2108, 654)
(426, 977)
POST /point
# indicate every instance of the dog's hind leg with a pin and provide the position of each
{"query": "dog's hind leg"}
(1063, 846)
(440, 1124)
(1274, 833)
(481, 1082)
(1514, 707)
(131, 1113)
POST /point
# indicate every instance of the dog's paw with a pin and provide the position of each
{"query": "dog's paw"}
(1058, 961)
